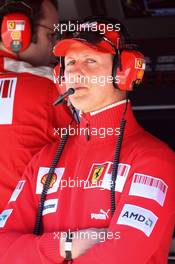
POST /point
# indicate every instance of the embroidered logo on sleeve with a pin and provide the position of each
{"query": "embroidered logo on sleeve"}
(54, 185)
(4, 216)
(17, 191)
(50, 206)
(100, 176)
(138, 217)
(148, 187)
(7, 94)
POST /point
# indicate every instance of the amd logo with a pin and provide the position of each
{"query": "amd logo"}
(138, 217)
(3, 217)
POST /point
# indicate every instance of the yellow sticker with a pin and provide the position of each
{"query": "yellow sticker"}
(16, 35)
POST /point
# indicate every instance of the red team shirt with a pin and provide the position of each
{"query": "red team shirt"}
(141, 229)
(27, 118)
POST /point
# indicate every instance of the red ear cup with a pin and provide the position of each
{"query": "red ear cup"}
(59, 79)
(16, 32)
(132, 70)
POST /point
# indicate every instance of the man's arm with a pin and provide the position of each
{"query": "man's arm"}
(17, 243)
(144, 217)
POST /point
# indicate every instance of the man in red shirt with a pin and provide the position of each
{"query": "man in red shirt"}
(109, 195)
(27, 91)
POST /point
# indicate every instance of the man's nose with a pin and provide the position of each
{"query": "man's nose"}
(77, 73)
(77, 68)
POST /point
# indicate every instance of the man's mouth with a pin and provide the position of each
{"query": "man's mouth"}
(80, 88)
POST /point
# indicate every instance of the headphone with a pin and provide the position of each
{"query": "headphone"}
(128, 63)
(16, 27)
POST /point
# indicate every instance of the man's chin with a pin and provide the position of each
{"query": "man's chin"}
(80, 102)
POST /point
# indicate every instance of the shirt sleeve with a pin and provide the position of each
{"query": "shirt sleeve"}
(18, 244)
(142, 226)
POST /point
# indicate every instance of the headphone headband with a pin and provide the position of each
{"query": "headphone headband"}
(11, 6)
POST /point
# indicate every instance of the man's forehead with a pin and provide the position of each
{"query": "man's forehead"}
(80, 48)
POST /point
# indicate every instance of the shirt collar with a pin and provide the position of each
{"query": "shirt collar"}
(107, 119)
(103, 108)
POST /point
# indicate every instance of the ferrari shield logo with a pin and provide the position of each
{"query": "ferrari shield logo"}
(11, 25)
(100, 176)
(96, 174)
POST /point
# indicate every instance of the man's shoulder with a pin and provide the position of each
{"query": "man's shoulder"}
(43, 158)
(48, 151)
(22, 68)
(144, 141)
(145, 148)
(152, 143)
(154, 157)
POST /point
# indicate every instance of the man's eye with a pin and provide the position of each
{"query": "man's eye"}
(90, 61)
(72, 62)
